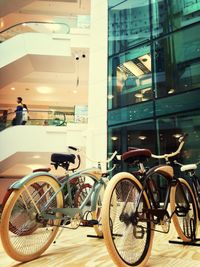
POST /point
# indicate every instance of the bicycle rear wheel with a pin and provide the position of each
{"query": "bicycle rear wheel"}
(182, 201)
(23, 211)
(127, 229)
(12, 228)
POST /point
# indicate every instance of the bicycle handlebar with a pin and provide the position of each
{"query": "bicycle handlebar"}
(102, 161)
(93, 160)
(166, 156)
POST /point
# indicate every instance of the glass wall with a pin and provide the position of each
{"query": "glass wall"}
(154, 76)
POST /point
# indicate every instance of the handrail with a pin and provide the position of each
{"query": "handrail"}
(6, 120)
(27, 23)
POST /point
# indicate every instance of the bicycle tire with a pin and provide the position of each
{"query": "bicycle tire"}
(182, 221)
(195, 185)
(20, 210)
(118, 232)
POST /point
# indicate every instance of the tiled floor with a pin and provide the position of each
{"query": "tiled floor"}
(74, 248)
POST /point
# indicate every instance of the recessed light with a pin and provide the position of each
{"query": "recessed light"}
(114, 138)
(75, 91)
(12, 88)
(44, 89)
(36, 157)
(24, 24)
(1, 23)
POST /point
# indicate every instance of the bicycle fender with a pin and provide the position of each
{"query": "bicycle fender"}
(18, 184)
(96, 194)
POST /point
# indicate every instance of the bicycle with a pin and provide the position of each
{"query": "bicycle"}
(132, 208)
(40, 203)
(189, 169)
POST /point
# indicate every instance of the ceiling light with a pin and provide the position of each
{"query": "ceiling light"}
(75, 91)
(114, 138)
(142, 137)
(1, 23)
(36, 157)
(12, 88)
(44, 89)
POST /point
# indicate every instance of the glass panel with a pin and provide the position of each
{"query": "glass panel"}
(128, 24)
(131, 113)
(141, 135)
(130, 78)
(177, 62)
(171, 15)
(34, 26)
(170, 129)
(178, 103)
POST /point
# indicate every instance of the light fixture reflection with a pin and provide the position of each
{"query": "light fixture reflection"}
(142, 137)
(110, 96)
(177, 135)
(171, 91)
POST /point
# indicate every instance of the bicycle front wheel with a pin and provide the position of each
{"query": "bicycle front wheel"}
(183, 205)
(127, 227)
(31, 233)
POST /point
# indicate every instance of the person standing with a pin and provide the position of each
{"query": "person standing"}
(18, 112)
(24, 114)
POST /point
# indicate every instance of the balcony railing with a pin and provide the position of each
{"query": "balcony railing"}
(34, 26)
(37, 117)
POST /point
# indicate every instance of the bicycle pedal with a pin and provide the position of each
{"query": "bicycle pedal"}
(88, 223)
(181, 211)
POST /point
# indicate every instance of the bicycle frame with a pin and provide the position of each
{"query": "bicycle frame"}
(70, 211)
(155, 207)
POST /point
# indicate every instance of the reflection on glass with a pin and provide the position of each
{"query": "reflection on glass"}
(168, 16)
(132, 83)
(128, 24)
(177, 62)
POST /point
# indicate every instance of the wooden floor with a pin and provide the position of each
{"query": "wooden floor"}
(74, 248)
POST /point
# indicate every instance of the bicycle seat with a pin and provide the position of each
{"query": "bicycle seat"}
(188, 167)
(63, 158)
(136, 154)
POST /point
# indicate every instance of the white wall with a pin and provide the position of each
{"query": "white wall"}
(40, 139)
(97, 103)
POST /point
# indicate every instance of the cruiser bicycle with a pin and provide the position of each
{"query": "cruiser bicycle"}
(132, 208)
(40, 203)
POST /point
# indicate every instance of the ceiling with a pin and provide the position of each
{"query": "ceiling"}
(66, 77)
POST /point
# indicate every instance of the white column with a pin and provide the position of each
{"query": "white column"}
(97, 97)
